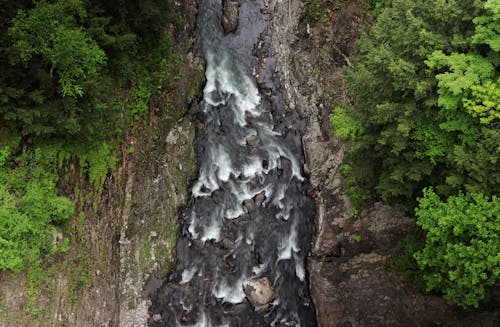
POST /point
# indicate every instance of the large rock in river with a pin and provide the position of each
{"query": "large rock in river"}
(230, 15)
(259, 291)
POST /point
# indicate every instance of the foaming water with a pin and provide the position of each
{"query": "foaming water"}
(248, 216)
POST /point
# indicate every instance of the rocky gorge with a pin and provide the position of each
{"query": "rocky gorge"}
(351, 281)
(135, 230)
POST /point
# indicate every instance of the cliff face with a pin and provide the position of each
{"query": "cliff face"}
(130, 228)
(128, 233)
(350, 281)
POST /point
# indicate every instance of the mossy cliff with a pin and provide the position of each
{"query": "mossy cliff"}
(124, 231)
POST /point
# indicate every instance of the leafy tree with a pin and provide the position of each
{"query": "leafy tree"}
(53, 31)
(488, 26)
(461, 256)
(426, 84)
(64, 63)
(74, 73)
(52, 82)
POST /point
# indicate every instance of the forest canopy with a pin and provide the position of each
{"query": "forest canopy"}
(62, 59)
(425, 85)
(75, 74)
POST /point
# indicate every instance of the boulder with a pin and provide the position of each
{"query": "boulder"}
(230, 15)
(253, 140)
(249, 204)
(260, 198)
(259, 292)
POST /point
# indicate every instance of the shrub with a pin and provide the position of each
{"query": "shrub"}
(30, 209)
(461, 256)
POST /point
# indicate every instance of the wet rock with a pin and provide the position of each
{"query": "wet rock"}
(230, 15)
(258, 75)
(260, 198)
(216, 97)
(253, 140)
(259, 291)
(248, 117)
(227, 243)
(249, 204)
(349, 280)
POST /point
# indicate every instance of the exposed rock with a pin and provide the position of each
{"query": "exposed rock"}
(156, 317)
(253, 140)
(216, 97)
(259, 291)
(260, 198)
(227, 243)
(249, 204)
(350, 284)
(230, 15)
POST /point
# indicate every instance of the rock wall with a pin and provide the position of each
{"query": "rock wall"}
(350, 282)
(130, 228)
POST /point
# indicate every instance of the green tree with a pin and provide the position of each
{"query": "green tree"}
(53, 82)
(461, 256)
(53, 31)
(426, 86)
(67, 64)
(74, 73)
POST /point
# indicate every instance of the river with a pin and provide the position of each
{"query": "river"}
(249, 217)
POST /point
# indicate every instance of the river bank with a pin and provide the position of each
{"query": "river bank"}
(349, 267)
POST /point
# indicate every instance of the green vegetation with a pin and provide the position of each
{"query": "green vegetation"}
(461, 256)
(30, 210)
(76, 74)
(425, 84)
(65, 63)
(322, 10)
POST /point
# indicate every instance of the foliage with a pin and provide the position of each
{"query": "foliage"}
(426, 86)
(68, 68)
(53, 31)
(376, 6)
(405, 262)
(488, 26)
(356, 193)
(64, 62)
(344, 125)
(469, 83)
(461, 256)
(322, 10)
(30, 210)
(74, 74)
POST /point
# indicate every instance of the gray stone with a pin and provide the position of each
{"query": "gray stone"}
(260, 198)
(227, 244)
(259, 292)
(157, 317)
(253, 140)
(249, 204)
(230, 15)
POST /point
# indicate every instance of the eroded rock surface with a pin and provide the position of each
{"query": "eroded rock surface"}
(349, 279)
(259, 291)
(130, 228)
(230, 15)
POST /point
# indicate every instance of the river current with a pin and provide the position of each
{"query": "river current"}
(249, 217)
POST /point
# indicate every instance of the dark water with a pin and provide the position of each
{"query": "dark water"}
(248, 216)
